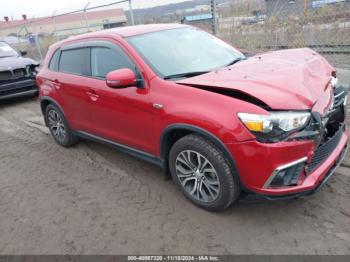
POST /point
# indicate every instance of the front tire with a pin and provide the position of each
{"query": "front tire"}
(59, 127)
(203, 174)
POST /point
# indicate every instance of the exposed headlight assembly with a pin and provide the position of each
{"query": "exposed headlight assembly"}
(275, 126)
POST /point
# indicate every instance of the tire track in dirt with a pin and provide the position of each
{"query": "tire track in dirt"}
(92, 199)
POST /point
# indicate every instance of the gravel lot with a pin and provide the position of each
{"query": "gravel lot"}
(91, 199)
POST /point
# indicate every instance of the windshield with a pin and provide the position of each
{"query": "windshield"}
(6, 50)
(184, 51)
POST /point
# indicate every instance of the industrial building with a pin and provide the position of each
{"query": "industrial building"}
(66, 24)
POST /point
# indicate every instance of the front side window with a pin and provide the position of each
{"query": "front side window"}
(105, 60)
(184, 50)
(73, 61)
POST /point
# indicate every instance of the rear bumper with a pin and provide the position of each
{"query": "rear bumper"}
(18, 88)
(256, 162)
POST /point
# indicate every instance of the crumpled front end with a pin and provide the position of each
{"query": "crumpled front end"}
(301, 135)
(302, 163)
(283, 80)
(18, 82)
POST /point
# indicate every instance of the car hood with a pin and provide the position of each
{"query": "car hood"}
(14, 62)
(294, 79)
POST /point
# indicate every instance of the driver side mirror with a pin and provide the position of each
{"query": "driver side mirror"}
(23, 52)
(121, 78)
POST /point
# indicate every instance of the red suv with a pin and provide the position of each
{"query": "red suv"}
(220, 123)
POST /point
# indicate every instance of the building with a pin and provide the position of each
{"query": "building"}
(243, 7)
(284, 8)
(280, 8)
(68, 24)
(193, 10)
(321, 3)
(203, 21)
(202, 8)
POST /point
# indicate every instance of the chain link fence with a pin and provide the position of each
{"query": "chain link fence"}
(263, 25)
(36, 34)
(252, 25)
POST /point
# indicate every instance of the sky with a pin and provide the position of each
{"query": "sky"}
(36, 8)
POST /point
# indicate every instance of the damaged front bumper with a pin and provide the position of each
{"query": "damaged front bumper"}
(300, 165)
(268, 158)
(317, 187)
(17, 88)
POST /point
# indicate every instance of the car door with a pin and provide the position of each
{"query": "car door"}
(123, 115)
(70, 85)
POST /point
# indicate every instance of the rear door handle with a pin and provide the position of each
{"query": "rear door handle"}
(92, 94)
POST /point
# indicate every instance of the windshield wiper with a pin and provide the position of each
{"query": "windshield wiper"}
(235, 61)
(184, 75)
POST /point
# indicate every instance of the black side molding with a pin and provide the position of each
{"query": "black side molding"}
(129, 150)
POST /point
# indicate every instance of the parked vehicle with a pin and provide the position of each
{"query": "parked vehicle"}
(17, 73)
(222, 124)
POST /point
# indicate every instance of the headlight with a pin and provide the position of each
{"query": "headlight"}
(274, 126)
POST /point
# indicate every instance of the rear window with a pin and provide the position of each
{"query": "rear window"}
(53, 65)
(73, 61)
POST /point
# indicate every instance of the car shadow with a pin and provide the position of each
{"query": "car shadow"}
(153, 176)
(18, 101)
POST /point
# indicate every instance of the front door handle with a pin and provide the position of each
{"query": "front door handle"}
(93, 95)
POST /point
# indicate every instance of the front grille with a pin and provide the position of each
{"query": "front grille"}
(5, 75)
(325, 149)
(340, 94)
(21, 72)
(17, 90)
(18, 86)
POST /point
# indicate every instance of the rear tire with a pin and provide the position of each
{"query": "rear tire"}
(203, 174)
(59, 127)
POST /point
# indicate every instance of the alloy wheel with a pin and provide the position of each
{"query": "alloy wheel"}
(56, 125)
(197, 176)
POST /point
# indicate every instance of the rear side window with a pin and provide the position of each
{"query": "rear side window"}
(53, 65)
(73, 61)
(105, 60)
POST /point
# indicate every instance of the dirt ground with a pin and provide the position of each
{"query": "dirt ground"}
(92, 199)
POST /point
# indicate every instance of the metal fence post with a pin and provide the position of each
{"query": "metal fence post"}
(131, 13)
(306, 7)
(54, 23)
(36, 38)
(39, 47)
(86, 18)
(214, 16)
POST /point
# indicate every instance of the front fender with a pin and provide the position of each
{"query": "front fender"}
(213, 112)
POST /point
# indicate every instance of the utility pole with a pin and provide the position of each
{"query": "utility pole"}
(214, 25)
(131, 12)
